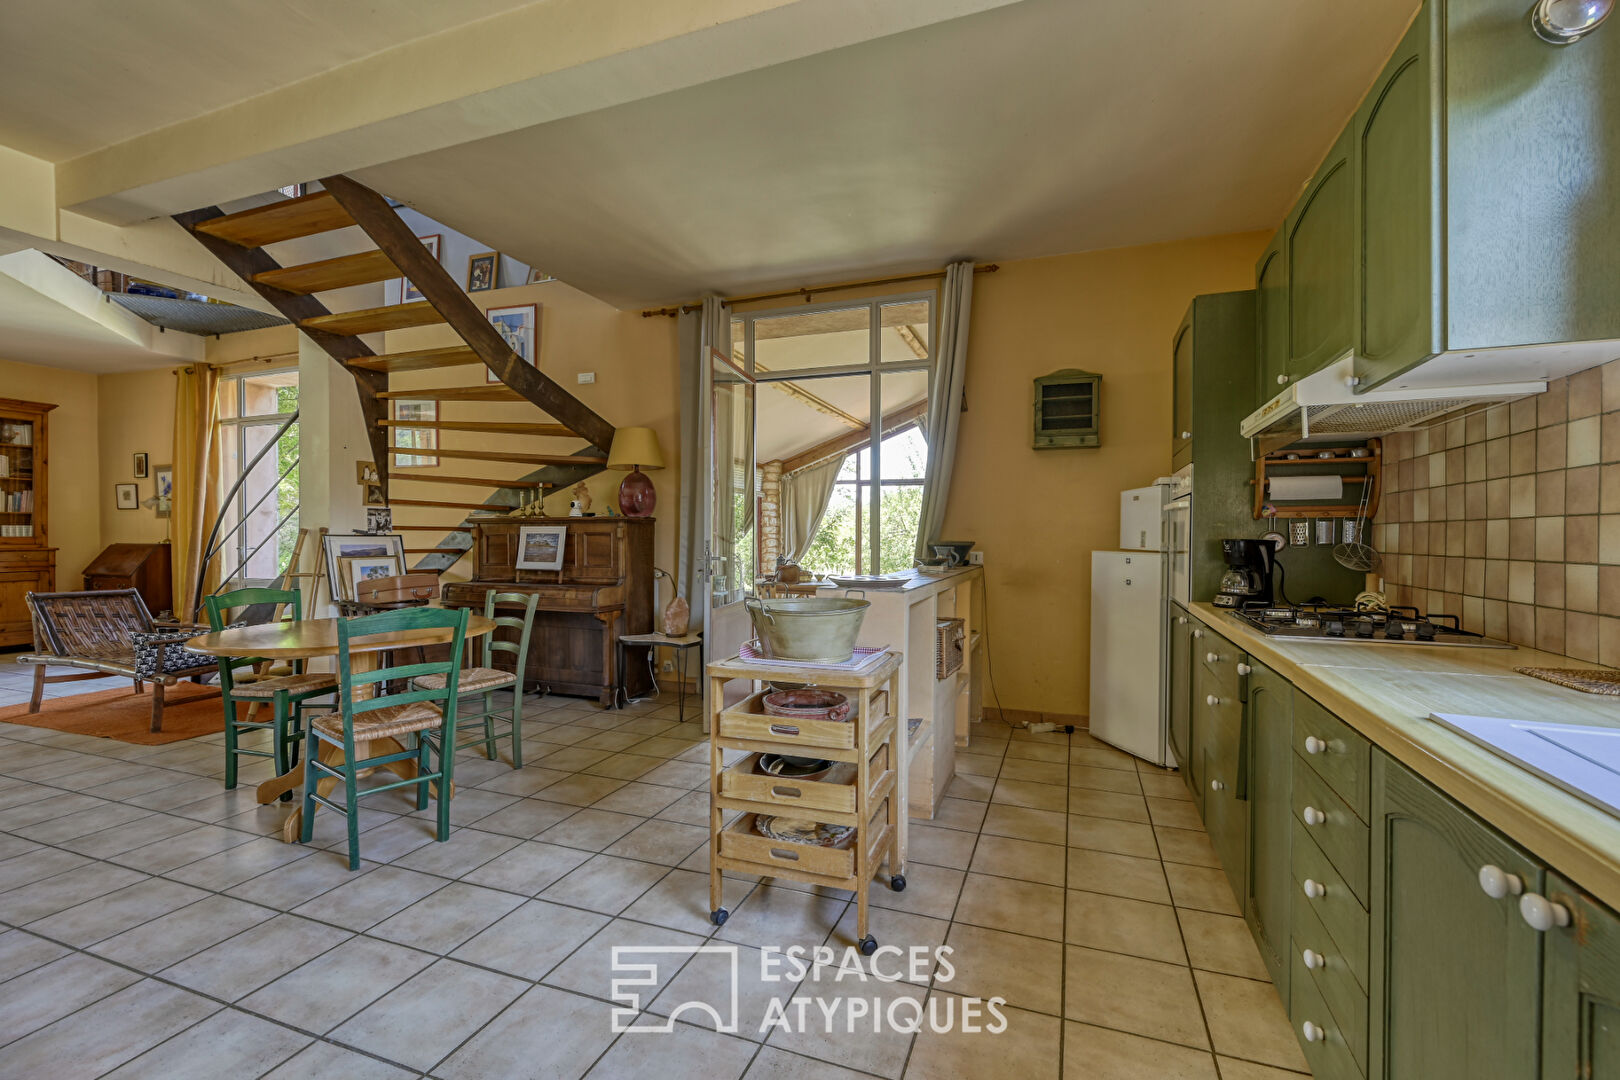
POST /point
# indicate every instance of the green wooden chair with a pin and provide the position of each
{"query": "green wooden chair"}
(286, 694)
(428, 713)
(489, 678)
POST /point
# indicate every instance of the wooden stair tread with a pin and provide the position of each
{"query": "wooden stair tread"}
(375, 320)
(438, 551)
(474, 481)
(488, 427)
(492, 392)
(497, 455)
(419, 360)
(393, 501)
(307, 215)
(362, 268)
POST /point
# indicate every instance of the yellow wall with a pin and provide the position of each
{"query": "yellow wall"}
(637, 384)
(1038, 515)
(73, 494)
(136, 411)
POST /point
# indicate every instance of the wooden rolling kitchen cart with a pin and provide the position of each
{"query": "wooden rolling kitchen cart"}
(865, 790)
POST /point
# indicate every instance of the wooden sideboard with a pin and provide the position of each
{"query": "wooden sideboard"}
(604, 590)
(142, 567)
(27, 561)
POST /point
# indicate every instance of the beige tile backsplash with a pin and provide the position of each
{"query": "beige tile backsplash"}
(1510, 518)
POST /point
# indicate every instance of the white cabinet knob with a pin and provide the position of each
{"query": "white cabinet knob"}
(1496, 883)
(1541, 913)
(1181, 620)
(1313, 816)
(1314, 889)
(1313, 959)
(1216, 785)
(1313, 745)
(1311, 1032)
(1212, 701)
(1186, 434)
(1212, 657)
(1282, 380)
(1198, 633)
(1245, 669)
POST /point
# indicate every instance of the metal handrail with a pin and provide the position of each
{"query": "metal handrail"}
(215, 541)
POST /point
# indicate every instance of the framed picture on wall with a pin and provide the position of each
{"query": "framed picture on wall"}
(128, 495)
(407, 291)
(519, 328)
(140, 466)
(482, 271)
(164, 475)
(537, 276)
(540, 547)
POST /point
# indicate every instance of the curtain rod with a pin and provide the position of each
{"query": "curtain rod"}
(808, 291)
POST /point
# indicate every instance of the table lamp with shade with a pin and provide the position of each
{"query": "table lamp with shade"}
(636, 448)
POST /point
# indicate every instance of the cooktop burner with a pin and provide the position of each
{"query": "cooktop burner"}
(1397, 626)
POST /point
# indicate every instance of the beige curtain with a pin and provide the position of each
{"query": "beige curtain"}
(945, 400)
(196, 482)
(805, 495)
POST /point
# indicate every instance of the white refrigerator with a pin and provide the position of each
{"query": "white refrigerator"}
(1129, 630)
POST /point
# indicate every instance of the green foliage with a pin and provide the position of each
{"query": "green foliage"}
(287, 494)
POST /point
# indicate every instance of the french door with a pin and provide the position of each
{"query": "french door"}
(730, 500)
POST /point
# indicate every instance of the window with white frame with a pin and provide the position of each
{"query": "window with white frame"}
(415, 438)
(260, 524)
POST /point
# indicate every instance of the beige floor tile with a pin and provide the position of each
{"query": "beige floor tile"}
(320, 995)
(124, 909)
(465, 851)
(1233, 1069)
(236, 967)
(1120, 924)
(1027, 971)
(1129, 993)
(1246, 1020)
(1028, 1046)
(589, 830)
(606, 883)
(900, 929)
(430, 1014)
(532, 940)
(1201, 887)
(1026, 860)
(22, 952)
(1025, 750)
(367, 899)
(1164, 786)
(110, 1032)
(325, 1059)
(1174, 813)
(1102, 757)
(58, 989)
(528, 868)
(1109, 834)
(685, 1051)
(1108, 804)
(959, 814)
(634, 798)
(523, 819)
(1186, 846)
(941, 847)
(930, 891)
(667, 842)
(680, 901)
(774, 1064)
(969, 764)
(155, 945)
(1035, 772)
(880, 1053)
(708, 978)
(1024, 823)
(1221, 943)
(1090, 776)
(1117, 875)
(779, 917)
(1035, 796)
(974, 788)
(1095, 1053)
(1019, 907)
(439, 922)
(227, 1035)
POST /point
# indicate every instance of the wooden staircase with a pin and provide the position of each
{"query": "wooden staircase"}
(239, 241)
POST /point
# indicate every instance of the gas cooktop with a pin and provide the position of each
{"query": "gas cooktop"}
(1397, 626)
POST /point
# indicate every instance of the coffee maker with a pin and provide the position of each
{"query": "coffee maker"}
(1249, 566)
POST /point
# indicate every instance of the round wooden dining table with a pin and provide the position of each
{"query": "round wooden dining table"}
(308, 639)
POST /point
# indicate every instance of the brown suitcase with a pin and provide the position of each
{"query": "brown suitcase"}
(405, 589)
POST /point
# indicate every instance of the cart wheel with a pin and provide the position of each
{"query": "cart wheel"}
(898, 882)
(868, 945)
(719, 917)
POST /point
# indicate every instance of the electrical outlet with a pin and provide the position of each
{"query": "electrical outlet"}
(587, 377)
(976, 558)
(669, 666)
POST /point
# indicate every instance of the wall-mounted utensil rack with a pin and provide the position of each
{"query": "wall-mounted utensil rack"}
(1369, 458)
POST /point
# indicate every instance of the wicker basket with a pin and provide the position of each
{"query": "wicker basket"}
(949, 637)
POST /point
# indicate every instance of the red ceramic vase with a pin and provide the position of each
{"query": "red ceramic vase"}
(636, 495)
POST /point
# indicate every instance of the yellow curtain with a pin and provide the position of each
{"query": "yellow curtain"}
(196, 482)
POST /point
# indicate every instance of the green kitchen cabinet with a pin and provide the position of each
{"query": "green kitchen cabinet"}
(1181, 629)
(1269, 723)
(1218, 747)
(1181, 434)
(1271, 321)
(1487, 198)
(1456, 986)
(1320, 264)
(1580, 1028)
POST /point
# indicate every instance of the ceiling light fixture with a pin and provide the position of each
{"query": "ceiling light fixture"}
(1564, 22)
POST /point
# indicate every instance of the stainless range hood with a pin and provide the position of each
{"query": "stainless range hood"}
(1325, 405)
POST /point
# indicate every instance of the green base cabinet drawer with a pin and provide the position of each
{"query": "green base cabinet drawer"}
(1320, 888)
(1318, 1032)
(1220, 658)
(1316, 951)
(1341, 835)
(1337, 753)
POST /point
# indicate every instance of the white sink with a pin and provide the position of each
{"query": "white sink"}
(1583, 760)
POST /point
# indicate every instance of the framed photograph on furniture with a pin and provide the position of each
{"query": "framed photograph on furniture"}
(483, 270)
(537, 275)
(338, 546)
(164, 475)
(540, 547)
(519, 328)
(140, 466)
(367, 568)
(407, 291)
(129, 496)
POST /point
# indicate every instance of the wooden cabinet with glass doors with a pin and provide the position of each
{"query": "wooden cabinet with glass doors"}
(27, 562)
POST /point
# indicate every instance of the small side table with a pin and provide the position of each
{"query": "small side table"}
(652, 643)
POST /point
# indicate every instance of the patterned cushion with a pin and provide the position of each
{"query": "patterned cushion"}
(473, 680)
(380, 723)
(293, 684)
(163, 652)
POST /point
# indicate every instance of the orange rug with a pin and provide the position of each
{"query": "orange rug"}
(189, 710)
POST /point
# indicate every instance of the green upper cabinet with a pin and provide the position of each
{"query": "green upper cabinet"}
(1580, 1034)
(1487, 198)
(1456, 971)
(1269, 721)
(1181, 433)
(1320, 264)
(1395, 217)
(1271, 321)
